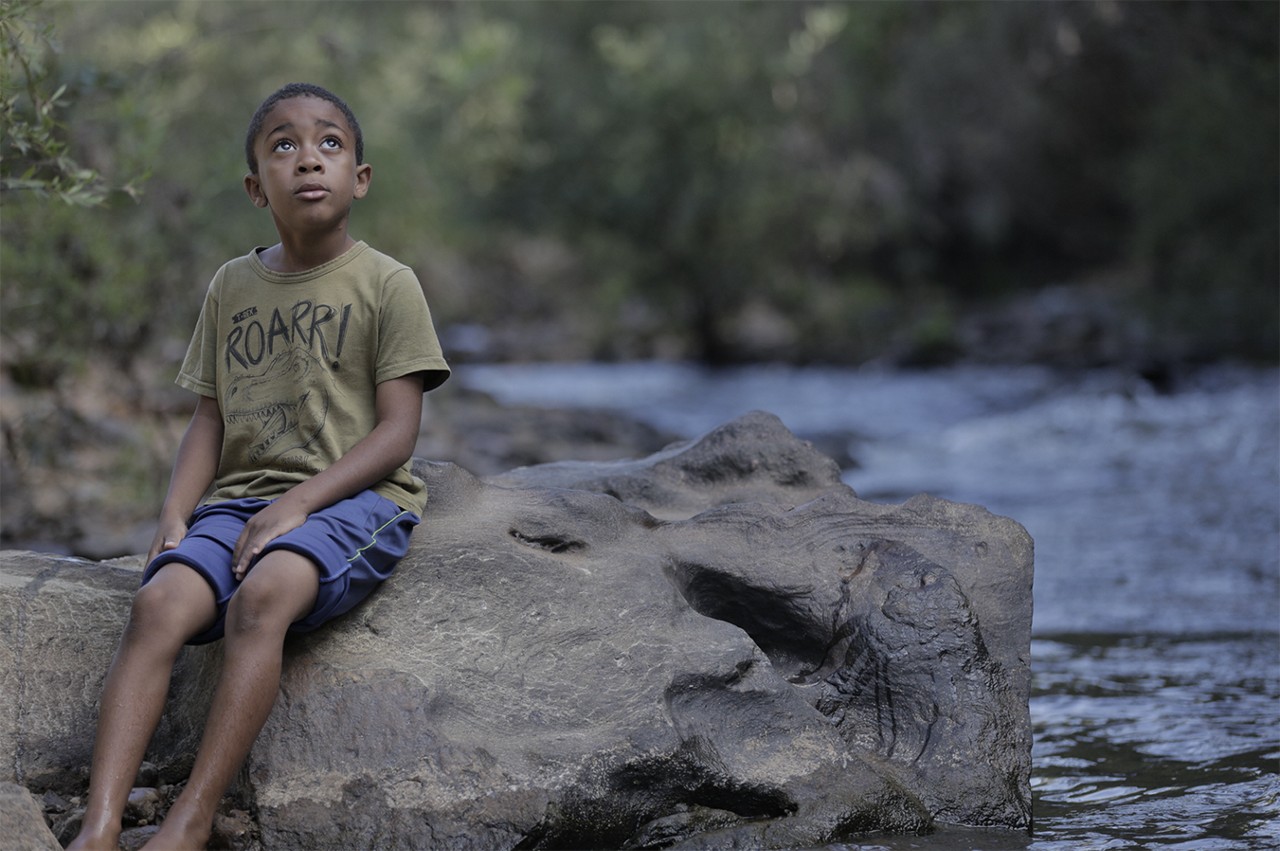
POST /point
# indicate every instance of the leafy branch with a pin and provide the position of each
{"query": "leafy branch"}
(35, 155)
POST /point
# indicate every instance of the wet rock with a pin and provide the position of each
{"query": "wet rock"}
(715, 646)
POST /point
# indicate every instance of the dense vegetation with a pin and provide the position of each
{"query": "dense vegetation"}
(802, 180)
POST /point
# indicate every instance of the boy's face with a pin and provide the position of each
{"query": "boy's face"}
(307, 171)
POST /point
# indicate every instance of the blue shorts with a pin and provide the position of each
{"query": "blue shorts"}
(355, 543)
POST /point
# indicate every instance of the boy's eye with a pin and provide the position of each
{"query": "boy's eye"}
(329, 143)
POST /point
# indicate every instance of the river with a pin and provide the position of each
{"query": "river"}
(1156, 517)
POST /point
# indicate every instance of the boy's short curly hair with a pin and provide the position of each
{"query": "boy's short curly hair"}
(298, 90)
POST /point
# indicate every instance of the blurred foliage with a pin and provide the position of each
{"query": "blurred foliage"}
(34, 157)
(799, 180)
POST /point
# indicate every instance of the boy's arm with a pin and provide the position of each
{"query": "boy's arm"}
(193, 470)
(399, 417)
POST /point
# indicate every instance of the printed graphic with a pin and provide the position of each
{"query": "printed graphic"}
(278, 382)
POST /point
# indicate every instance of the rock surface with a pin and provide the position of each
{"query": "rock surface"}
(716, 646)
(22, 826)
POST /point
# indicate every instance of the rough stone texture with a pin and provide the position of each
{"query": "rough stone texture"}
(716, 646)
(22, 826)
(60, 622)
(751, 459)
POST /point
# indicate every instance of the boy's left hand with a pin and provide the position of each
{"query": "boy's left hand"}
(263, 528)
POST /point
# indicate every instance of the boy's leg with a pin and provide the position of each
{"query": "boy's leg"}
(171, 608)
(280, 589)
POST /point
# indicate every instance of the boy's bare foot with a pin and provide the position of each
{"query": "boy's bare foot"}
(179, 834)
(96, 840)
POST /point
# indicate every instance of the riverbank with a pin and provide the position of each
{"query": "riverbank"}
(85, 467)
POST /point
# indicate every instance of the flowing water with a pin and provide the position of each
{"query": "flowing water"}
(1156, 517)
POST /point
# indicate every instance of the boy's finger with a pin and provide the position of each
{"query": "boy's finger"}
(243, 558)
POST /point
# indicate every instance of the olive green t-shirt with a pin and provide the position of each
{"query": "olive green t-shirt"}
(294, 361)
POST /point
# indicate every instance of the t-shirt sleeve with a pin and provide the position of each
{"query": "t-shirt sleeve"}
(407, 341)
(199, 368)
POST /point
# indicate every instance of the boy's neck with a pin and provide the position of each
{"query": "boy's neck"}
(286, 257)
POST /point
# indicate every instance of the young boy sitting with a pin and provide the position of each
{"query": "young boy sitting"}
(291, 497)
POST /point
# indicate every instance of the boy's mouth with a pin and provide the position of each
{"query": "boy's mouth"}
(310, 192)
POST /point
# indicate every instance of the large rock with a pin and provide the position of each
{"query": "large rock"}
(60, 621)
(716, 646)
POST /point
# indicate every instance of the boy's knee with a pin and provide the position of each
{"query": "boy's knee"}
(251, 610)
(274, 594)
(168, 607)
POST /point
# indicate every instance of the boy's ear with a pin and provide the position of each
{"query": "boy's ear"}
(364, 174)
(254, 187)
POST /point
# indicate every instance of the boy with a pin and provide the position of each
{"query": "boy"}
(310, 359)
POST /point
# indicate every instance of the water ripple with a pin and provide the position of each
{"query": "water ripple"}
(1159, 741)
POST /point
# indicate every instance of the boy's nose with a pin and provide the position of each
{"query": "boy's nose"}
(310, 161)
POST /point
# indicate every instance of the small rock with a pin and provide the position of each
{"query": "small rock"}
(55, 803)
(148, 775)
(66, 826)
(232, 830)
(133, 838)
(143, 806)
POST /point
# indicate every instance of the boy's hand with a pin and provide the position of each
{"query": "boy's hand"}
(263, 528)
(168, 536)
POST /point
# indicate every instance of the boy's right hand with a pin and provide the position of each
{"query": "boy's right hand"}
(168, 536)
